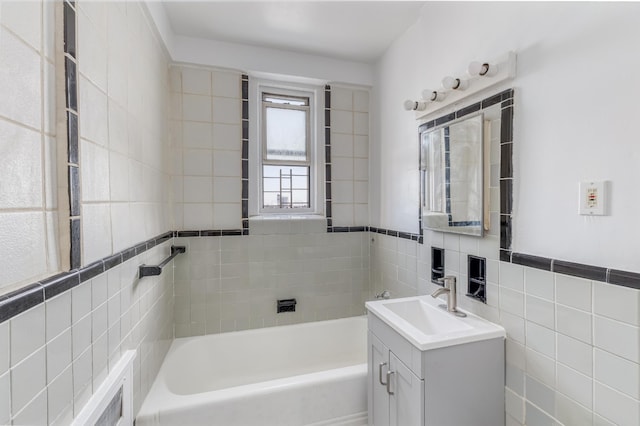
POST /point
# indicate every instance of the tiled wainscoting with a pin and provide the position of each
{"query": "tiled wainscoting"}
(233, 283)
(573, 345)
(55, 355)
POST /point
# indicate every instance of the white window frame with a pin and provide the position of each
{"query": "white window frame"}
(257, 87)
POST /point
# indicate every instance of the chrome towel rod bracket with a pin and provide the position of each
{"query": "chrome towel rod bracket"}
(150, 270)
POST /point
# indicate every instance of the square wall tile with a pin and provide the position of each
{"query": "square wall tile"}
(17, 58)
(23, 18)
(28, 379)
(93, 110)
(226, 84)
(226, 110)
(27, 333)
(617, 302)
(617, 337)
(94, 172)
(5, 398)
(575, 385)
(574, 323)
(196, 108)
(227, 136)
(96, 232)
(361, 100)
(618, 373)
(60, 394)
(35, 413)
(58, 314)
(21, 167)
(196, 81)
(541, 339)
(4, 347)
(539, 283)
(59, 355)
(615, 406)
(197, 135)
(341, 98)
(342, 122)
(512, 276)
(574, 292)
(576, 354)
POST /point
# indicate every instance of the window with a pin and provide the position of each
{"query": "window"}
(286, 173)
(286, 152)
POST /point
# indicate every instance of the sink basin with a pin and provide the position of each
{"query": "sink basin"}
(427, 326)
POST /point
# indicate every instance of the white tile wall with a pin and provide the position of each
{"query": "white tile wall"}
(349, 156)
(124, 155)
(27, 142)
(206, 124)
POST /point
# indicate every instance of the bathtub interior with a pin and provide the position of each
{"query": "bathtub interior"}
(208, 363)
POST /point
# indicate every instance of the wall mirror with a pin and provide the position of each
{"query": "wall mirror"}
(451, 176)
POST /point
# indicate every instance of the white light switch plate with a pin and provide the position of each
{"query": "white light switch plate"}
(593, 198)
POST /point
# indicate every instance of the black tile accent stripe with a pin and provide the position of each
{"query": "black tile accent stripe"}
(20, 300)
(531, 261)
(245, 155)
(69, 30)
(579, 270)
(327, 158)
(393, 233)
(73, 160)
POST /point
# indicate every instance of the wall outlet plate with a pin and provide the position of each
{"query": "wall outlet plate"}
(592, 198)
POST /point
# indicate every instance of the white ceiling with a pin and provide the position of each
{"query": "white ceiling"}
(351, 30)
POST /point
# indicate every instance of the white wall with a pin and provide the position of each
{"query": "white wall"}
(575, 105)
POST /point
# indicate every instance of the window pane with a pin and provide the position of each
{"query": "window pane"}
(286, 134)
(285, 187)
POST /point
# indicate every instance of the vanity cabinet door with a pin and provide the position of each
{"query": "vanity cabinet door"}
(378, 396)
(406, 401)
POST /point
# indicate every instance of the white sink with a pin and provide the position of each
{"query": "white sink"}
(427, 326)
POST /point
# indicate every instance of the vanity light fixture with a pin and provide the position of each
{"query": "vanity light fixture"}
(451, 83)
(433, 95)
(479, 76)
(482, 69)
(410, 105)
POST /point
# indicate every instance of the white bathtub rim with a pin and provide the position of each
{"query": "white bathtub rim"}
(167, 402)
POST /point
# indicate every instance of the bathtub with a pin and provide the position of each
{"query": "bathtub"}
(304, 374)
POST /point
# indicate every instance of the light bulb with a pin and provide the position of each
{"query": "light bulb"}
(483, 69)
(410, 105)
(432, 95)
(451, 83)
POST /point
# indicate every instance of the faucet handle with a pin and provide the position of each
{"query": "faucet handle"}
(384, 295)
(448, 281)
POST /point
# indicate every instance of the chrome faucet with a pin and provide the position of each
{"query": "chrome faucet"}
(384, 295)
(450, 290)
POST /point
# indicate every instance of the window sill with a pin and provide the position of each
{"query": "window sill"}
(268, 224)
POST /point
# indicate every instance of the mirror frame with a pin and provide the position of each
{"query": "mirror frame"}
(473, 228)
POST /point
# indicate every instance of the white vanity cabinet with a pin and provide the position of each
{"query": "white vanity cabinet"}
(460, 385)
(397, 393)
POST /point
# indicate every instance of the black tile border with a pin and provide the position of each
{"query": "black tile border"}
(398, 234)
(73, 161)
(327, 160)
(244, 219)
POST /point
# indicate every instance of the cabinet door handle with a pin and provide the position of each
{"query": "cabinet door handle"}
(389, 373)
(382, 364)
